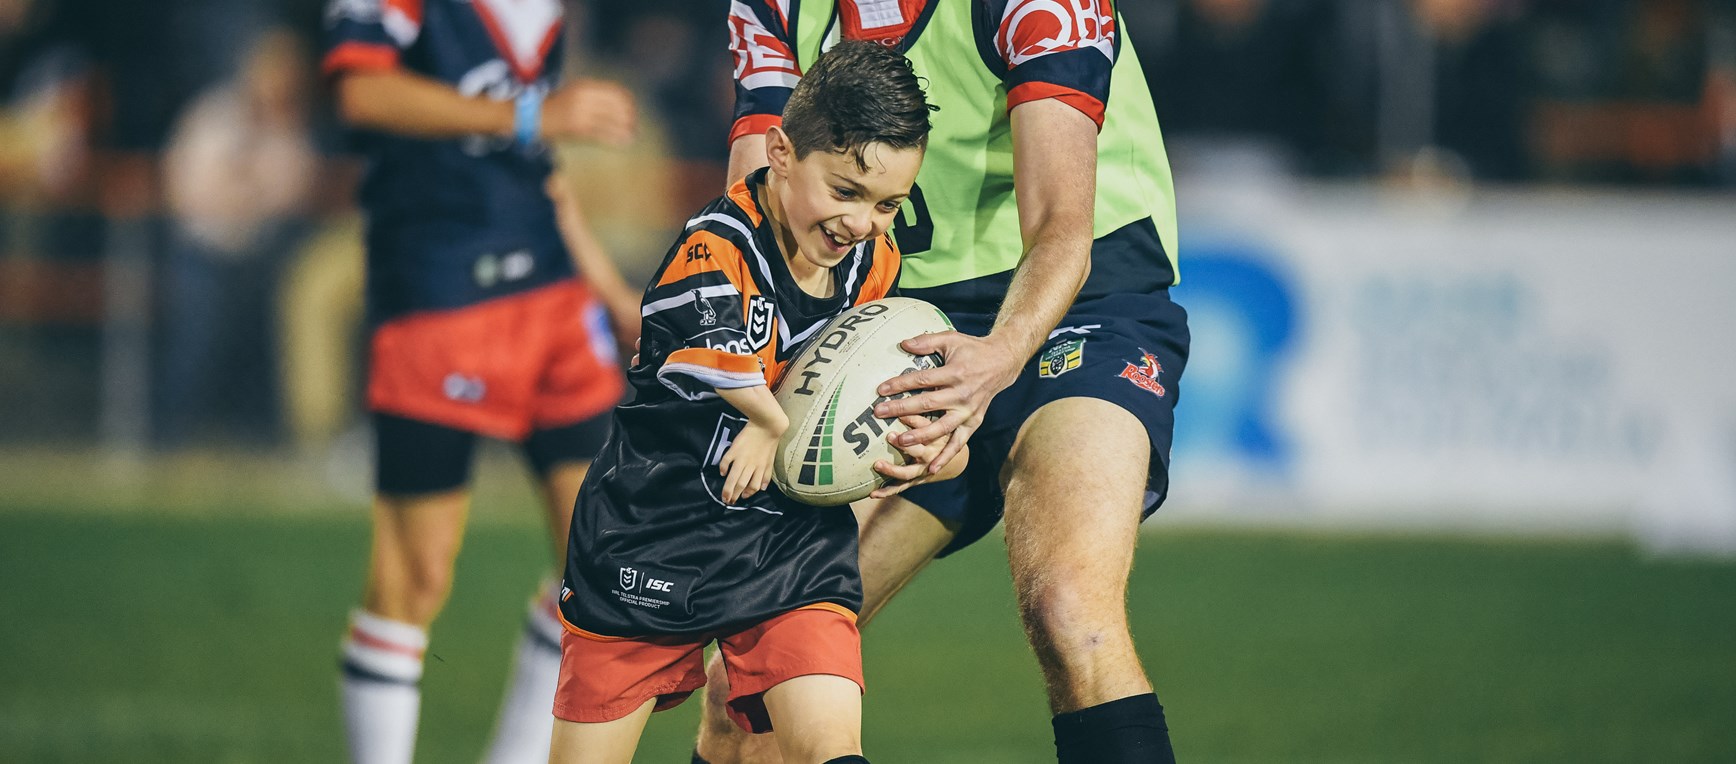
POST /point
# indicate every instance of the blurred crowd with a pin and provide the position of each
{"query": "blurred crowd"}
(178, 256)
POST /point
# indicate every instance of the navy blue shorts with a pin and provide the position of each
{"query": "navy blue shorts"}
(1127, 349)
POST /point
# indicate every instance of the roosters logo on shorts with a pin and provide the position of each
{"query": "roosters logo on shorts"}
(1144, 374)
(464, 388)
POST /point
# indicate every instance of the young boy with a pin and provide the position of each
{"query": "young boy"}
(677, 540)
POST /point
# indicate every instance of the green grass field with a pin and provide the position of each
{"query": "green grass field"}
(179, 639)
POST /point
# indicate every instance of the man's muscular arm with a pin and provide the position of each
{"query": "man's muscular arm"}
(1055, 170)
(746, 154)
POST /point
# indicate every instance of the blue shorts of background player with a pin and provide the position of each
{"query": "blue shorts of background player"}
(1127, 349)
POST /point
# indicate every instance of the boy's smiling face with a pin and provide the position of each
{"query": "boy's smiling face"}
(829, 204)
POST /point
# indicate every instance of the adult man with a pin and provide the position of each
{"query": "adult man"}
(480, 326)
(1074, 270)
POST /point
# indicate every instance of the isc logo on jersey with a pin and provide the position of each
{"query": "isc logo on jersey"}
(631, 578)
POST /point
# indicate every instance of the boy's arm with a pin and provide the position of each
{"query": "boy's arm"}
(747, 465)
(594, 263)
(366, 44)
(403, 102)
(694, 318)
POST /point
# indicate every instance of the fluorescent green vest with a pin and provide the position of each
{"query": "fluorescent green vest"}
(966, 182)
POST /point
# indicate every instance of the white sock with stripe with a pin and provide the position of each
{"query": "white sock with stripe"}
(382, 694)
(527, 714)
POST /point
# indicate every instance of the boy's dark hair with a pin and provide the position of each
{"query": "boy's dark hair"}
(856, 94)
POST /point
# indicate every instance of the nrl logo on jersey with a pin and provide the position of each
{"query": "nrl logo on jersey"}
(629, 579)
(759, 321)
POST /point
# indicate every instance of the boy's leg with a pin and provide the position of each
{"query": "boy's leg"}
(815, 655)
(899, 539)
(818, 718)
(415, 543)
(608, 686)
(560, 457)
(418, 519)
(521, 734)
(611, 742)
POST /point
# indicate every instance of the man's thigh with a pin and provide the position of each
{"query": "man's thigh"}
(1075, 486)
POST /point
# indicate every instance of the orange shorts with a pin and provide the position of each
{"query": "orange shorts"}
(541, 359)
(604, 678)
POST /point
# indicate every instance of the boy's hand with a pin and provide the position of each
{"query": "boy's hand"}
(747, 465)
(622, 304)
(590, 110)
(917, 456)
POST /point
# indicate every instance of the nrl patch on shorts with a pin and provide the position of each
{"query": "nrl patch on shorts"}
(1061, 358)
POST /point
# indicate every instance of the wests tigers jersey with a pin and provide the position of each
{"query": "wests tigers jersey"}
(654, 548)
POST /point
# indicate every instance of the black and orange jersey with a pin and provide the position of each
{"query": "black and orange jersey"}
(654, 549)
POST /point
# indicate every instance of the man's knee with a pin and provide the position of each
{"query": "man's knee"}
(1073, 615)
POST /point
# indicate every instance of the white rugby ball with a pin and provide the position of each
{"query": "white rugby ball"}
(828, 392)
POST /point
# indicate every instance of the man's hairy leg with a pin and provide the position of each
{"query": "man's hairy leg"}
(1075, 485)
(898, 540)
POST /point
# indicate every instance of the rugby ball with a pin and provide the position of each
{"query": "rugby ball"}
(827, 455)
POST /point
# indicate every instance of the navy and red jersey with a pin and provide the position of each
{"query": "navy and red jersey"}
(654, 549)
(454, 222)
(979, 60)
(1069, 65)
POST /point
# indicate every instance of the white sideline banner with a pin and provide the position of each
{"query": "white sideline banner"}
(1526, 361)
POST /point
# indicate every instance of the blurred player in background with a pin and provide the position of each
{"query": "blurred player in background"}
(480, 325)
(1060, 295)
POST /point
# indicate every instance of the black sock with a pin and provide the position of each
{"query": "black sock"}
(1125, 731)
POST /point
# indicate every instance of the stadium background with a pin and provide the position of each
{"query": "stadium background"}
(1455, 476)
